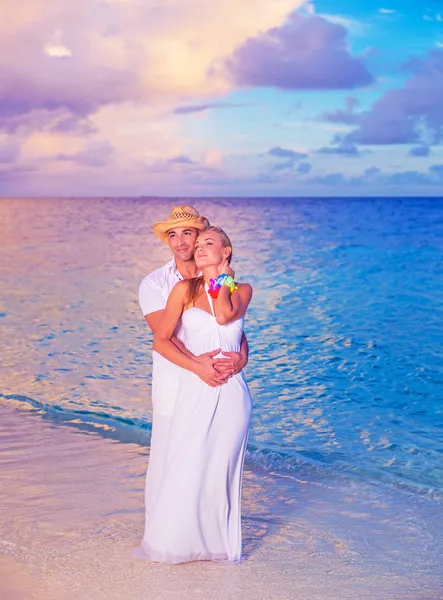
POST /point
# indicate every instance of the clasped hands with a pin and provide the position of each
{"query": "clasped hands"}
(217, 371)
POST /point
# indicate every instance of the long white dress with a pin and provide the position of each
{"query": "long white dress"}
(193, 484)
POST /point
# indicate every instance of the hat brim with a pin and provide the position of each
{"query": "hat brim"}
(161, 229)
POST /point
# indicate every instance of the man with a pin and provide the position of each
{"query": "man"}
(180, 231)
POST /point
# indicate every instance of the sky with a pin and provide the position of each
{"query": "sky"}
(190, 98)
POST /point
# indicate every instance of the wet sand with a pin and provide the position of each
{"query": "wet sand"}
(72, 512)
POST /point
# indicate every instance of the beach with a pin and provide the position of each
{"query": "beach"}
(343, 483)
(72, 504)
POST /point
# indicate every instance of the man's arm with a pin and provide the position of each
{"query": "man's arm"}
(164, 330)
(244, 351)
(153, 320)
(152, 303)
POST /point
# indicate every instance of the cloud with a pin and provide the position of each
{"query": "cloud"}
(10, 173)
(115, 70)
(289, 157)
(94, 154)
(80, 59)
(387, 11)
(185, 167)
(344, 148)
(433, 16)
(375, 177)
(420, 151)
(9, 149)
(351, 25)
(306, 52)
(372, 172)
(412, 114)
(279, 152)
(304, 167)
(346, 115)
(182, 160)
(409, 178)
(60, 120)
(196, 108)
(437, 172)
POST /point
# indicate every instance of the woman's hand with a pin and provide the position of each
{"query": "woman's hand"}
(207, 371)
(231, 365)
(224, 268)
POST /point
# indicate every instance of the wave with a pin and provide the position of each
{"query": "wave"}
(123, 429)
(136, 430)
(302, 463)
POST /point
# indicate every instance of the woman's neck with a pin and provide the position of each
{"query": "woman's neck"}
(210, 273)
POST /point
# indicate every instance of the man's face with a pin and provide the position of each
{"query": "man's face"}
(181, 240)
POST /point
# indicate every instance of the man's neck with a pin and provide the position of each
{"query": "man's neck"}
(187, 269)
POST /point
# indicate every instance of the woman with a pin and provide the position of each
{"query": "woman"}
(196, 514)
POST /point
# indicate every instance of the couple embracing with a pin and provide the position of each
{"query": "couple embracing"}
(201, 402)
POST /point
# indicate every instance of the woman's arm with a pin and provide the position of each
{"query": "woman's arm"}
(153, 319)
(230, 307)
(165, 331)
(235, 361)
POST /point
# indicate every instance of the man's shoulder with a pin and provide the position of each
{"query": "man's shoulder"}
(157, 277)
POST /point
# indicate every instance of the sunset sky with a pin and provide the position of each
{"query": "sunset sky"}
(227, 97)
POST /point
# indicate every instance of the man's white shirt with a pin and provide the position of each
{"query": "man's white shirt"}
(152, 296)
(155, 288)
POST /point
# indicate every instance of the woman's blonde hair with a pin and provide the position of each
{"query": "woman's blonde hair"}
(195, 285)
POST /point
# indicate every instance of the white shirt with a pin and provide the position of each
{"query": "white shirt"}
(152, 296)
(155, 288)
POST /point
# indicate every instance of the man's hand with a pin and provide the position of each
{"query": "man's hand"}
(206, 370)
(231, 365)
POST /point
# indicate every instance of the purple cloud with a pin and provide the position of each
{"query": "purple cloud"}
(94, 154)
(332, 180)
(420, 151)
(432, 177)
(58, 85)
(412, 114)
(304, 167)
(279, 152)
(15, 172)
(437, 171)
(372, 172)
(407, 178)
(307, 52)
(9, 150)
(182, 160)
(196, 108)
(60, 120)
(283, 166)
(347, 115)
(344, 148)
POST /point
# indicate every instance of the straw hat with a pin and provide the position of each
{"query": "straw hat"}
(181, 216)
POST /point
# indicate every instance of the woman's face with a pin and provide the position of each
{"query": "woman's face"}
(209, 250)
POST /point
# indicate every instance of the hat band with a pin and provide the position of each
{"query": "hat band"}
(181, 215)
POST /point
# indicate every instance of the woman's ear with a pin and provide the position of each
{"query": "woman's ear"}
(227, 252)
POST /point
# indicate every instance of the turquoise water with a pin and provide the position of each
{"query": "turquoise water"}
(346, 365)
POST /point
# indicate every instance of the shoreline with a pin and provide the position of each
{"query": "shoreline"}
(262, 460)
(72, 513)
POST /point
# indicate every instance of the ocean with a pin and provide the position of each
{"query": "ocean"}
(345, 326)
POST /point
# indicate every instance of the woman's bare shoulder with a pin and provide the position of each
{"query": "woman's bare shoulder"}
(180, 290)
(245, 288)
